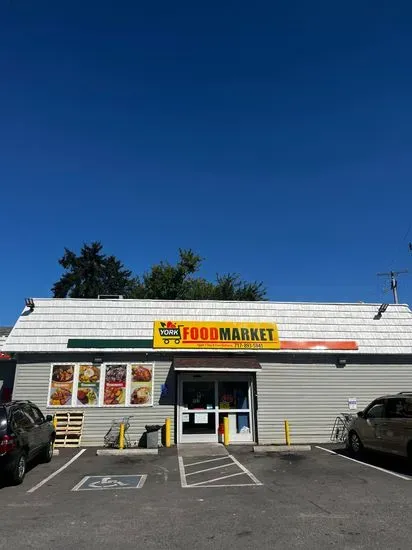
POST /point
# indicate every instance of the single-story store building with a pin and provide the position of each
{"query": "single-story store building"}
(198, 361)
(7, 367)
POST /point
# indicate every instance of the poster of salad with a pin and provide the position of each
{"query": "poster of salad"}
(115, 385)
(141, 392)
(88, 385)
(61, 385)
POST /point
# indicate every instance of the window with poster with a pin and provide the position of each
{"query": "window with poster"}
(108, 385)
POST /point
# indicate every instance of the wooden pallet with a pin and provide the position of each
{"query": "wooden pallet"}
(69, 429)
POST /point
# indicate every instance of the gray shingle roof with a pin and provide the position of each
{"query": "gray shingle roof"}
(4, 332)
(54, 321)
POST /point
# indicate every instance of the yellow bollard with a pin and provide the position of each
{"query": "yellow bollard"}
(55, 429)
(121, 436)
(168, 425)
(287, 432)
(226, 431)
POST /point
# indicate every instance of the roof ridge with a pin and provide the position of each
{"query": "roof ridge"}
(181, 301)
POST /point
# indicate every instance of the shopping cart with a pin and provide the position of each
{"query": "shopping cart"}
(112, 437)
(340, 428)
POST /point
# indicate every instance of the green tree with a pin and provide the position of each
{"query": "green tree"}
(92, 273)
(231, 287)
(171, 282)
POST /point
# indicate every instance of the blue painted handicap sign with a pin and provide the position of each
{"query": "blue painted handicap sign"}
(102, 483)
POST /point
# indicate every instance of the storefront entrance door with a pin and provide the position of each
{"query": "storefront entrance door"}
(204, 401)
(198, 418)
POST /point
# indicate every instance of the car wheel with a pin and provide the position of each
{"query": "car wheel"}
(18, 469)
(47, 453)
(355, 444)
(409, 452)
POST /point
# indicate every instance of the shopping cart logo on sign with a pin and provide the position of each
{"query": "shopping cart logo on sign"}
(169, 331)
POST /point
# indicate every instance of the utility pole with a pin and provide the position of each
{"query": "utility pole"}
(394, 282)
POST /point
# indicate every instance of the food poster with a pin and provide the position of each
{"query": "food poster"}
(115, 385)
(141, 392)
(88, 385)
(61, 385)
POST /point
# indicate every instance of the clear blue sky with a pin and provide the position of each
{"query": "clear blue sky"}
(274, 138)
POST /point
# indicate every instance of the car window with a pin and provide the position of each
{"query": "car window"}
(21, 420)
(407, 409)
(396, 408)
(377, 410)
(34, 414)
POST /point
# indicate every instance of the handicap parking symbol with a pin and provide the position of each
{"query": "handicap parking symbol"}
(101, 483)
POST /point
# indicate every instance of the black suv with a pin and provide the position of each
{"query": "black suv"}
(25, 434)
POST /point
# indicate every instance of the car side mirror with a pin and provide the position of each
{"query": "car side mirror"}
(361, 414)
(49, 418)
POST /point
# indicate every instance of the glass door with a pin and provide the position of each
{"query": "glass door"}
(198, 411)
(204, 401)
(234, 401)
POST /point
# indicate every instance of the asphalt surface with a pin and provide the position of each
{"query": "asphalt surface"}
(311, 500)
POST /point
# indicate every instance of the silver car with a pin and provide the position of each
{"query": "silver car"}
(385, 425)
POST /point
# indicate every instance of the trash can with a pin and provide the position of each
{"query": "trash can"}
(152, 436)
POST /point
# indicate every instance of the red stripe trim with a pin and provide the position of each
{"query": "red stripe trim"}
(319, 344)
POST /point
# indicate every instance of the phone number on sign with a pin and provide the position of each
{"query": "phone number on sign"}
(245, 345)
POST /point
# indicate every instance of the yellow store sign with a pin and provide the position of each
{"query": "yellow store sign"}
(215, 335)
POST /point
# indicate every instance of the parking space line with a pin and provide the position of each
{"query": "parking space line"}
(209, 469)
(218, 485)
(210, 460)
(230, 461)
(406, 478)
(252, 477)
(54, 474)
(182, 472)
(216, 479)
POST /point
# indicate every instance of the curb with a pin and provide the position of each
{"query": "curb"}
(281, 448)
(126, 452)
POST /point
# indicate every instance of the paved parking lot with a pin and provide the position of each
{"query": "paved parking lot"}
(309, 500)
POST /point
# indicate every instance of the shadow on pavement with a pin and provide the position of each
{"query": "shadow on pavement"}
(4, 482)
(388, 462)
(292, 457)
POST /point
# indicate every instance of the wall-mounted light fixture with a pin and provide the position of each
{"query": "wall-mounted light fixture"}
(381, 310)
(341, 362)
(29, 303)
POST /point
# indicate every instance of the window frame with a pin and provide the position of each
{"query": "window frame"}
(380, 401)
(397, 398)
(30, 407)
(20, 410)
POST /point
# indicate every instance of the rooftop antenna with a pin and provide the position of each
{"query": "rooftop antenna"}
(394, 282)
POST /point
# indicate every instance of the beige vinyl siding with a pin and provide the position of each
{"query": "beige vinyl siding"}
(32, 382)
(311, 396)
